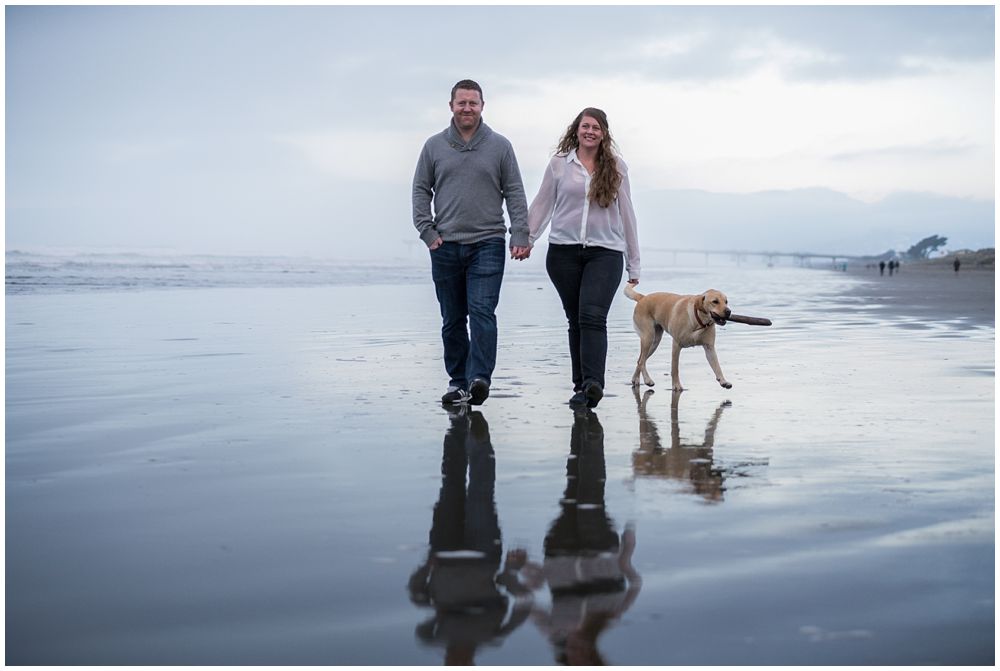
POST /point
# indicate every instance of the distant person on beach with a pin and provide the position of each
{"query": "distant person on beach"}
(892, 265)
(956, 264)
(585, 195)
(881, 267)
(468, 172)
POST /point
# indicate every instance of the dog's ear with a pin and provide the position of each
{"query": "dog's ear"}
(699, 303)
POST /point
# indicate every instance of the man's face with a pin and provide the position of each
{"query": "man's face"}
(467, 108)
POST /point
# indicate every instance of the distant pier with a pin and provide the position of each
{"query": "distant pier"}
(769, 257)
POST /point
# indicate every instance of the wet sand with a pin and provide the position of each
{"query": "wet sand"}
(931, 292)
(265, 476)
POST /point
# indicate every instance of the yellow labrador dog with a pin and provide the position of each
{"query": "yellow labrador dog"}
(690, 321)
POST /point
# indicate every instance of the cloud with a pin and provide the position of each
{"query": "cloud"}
(872, 43)
(770, 52)
(144, 150)
(672, 46)
(373, 156)
(696, 44)
(931, 150)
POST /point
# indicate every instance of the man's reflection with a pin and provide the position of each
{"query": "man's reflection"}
(587, 565)
(461, 578)
(685, 462)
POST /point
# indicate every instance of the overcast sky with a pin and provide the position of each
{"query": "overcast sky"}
(296, 130)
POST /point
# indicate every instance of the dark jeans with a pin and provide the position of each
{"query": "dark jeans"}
(587, 279)
(467, 280)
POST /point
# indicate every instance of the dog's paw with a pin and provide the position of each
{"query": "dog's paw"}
(726, 385)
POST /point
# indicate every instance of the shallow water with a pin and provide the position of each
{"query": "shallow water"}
(264, 476)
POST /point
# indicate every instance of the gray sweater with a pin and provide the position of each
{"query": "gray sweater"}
(468, 184)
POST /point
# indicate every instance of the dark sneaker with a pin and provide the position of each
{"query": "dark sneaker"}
(455, 395)
(594, 394)
(579, 400)
(479, 391)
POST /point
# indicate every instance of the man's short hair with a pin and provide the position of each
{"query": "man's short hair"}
(468, 85)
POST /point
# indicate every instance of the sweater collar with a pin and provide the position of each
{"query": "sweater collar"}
(455, 138)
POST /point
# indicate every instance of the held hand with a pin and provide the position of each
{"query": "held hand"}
(633, 282)
(437, 243)
(516, 559)
(520, 253)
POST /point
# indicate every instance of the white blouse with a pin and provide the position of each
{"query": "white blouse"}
(562, 200)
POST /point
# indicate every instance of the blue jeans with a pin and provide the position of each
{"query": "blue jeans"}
(586, 279)
(467, 280)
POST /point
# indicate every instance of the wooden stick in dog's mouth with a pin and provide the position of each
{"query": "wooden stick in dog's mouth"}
(753, 321)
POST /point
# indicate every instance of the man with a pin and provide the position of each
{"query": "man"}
(468, 171)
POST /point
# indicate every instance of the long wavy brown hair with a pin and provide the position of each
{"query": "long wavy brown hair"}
(607, 179)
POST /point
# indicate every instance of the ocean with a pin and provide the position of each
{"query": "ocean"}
(82, 271)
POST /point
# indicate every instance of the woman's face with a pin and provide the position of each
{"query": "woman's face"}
(589, 133)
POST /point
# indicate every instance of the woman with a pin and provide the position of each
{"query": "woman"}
(585, 195)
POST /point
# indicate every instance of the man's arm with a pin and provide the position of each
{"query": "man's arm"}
(517, 203)
(423, 194)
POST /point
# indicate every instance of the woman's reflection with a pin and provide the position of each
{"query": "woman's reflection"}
(587, 566)
(461, 578)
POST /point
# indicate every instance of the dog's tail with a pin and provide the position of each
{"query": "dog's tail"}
(632, 293)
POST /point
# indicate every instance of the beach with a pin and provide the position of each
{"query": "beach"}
(930, 291)
(264, 474)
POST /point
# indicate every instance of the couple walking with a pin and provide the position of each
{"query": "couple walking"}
(468, 172)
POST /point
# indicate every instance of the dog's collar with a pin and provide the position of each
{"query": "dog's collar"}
(697, 318)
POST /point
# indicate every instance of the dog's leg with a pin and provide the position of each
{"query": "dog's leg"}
(656, 340)
(657, 337)
(675, 367)
(648, 340)
(713, 361)
(641, 364)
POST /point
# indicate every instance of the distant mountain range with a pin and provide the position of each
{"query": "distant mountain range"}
(809, 220)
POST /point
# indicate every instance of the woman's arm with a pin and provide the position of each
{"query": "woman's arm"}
(541, 208)
(629, 224)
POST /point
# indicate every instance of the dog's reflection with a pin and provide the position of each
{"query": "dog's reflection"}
(587, 565)
(691, 463)
(461, 578)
